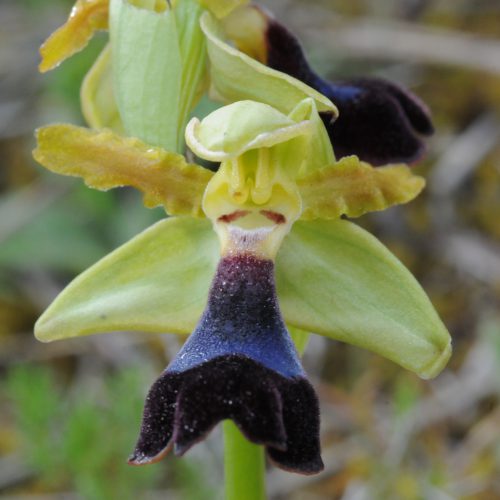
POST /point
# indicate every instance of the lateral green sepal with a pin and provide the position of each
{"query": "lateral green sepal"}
(156, 282)
(337, 280)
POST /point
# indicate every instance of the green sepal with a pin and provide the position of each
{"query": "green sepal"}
(146, 72)
(157, 282)
(236, 76)
(337, 280)
(159, 63)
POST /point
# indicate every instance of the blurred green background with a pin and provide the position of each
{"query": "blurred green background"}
(70, 411)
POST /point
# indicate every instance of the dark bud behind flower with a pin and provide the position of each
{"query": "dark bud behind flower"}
(277, 412)
(378, 121)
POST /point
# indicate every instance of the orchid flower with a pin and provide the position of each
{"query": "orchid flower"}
(250, 254)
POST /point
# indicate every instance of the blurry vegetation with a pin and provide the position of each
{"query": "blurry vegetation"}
(77, 437)
(79, 440)
(70, 411)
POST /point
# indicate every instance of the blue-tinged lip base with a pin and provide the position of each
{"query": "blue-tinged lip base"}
(242, 316)
(278, 412)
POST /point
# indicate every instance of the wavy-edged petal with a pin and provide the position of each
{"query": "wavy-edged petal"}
(352, 187)
(236, 76)
(156, 282)
(87, 17)
(337, 280)
(97, 95)
(106, 160)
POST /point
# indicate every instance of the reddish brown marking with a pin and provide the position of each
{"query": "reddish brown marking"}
(276, 217)
(238, 214)
(152, 460)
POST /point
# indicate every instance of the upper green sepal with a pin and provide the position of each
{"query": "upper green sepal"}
(157, 282)
(236, 76)
(336, 279)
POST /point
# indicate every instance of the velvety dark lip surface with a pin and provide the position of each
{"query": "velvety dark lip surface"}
(278, 412)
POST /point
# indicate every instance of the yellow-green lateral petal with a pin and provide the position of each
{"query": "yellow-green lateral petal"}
(157, 282)
(236, 76)
(335, 279)
(222, 8)
(87, 16)
(352, 187)
(97, 95)
(106, 160)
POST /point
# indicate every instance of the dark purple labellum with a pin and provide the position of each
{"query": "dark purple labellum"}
(378, 121)
(278, 412)
(240, 363)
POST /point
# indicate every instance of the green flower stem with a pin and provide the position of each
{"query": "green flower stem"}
(244, 465)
